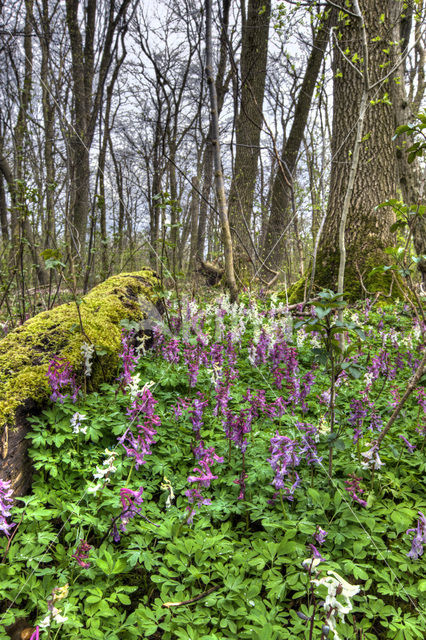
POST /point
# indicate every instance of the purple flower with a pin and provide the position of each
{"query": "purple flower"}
(171, 350)
(206, 457)
(354, 489)
(410, 446)
(128, 356)
(130, 501)
(320, 535)
(205, 475)
(6, 503)
(36, 634)
(316, 553)
(237, 426)
(61, 375)
(82, 553)
(141, 410)
(419, 538)
(196, 413)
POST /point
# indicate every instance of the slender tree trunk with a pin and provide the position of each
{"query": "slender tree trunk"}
(195, 208)
(49, 127)
(220, 186)
(275, 237)
(221, 83)
(3, 213)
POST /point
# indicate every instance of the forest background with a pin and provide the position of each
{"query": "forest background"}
(107, 144)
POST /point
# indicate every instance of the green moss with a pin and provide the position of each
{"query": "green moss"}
(25, 353)
(324, 279)
(297, 290)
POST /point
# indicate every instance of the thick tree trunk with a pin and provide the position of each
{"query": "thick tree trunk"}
(367, 229)
(254, 52)
(25, 354)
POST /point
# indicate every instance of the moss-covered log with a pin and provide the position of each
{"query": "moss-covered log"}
(26, 352)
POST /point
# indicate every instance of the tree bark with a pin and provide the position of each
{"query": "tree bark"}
(367, 230)
(254, 53)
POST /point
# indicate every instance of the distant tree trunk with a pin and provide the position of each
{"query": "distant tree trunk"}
(3, 212)
(221, 83)
(367, 229)
(275, 236)
(88, 98)
(254, 52)
(195, 208)
(82, 76)
(154, 210)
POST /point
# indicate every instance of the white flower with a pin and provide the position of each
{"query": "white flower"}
(323, 426)
(167, 486)
(87, 350)
(75, 423)
(107, 465)
(52, 615)
(133, 386)
(368, 379)
(371, 458)
(336, 586)
(94, 489)
(45, 622)
(311, 563)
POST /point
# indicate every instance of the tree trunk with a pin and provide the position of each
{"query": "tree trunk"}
(254, 52)
(49, 127)
(275, 237)
(221, 84)
(367, 229)
(220, 186)
(195, 208)
(3, 213)
(410, 176)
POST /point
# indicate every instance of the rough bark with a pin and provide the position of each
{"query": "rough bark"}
(254, 52)
(273, 249)
(25, 354)
(367, 230)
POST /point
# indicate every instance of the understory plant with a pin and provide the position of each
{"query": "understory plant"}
(193, 498)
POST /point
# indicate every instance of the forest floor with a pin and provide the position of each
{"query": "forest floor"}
(231, 483)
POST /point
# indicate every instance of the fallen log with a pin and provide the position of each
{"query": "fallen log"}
(25, 354)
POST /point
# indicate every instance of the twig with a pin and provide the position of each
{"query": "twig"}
(202, 595)
(411, 385)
